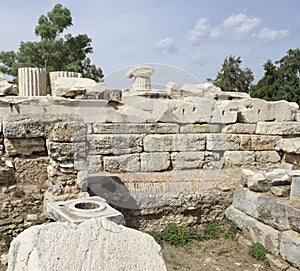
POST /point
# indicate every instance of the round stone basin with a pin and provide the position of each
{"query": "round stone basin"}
(87, 206)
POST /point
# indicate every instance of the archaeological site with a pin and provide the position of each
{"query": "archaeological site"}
(85, 171)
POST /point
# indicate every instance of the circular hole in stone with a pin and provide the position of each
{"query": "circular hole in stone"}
(61, 205)
(86, 205)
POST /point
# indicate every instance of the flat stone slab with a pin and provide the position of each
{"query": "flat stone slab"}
(77, 211)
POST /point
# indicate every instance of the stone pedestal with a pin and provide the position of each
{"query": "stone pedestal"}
(32, 81)
(59, 74)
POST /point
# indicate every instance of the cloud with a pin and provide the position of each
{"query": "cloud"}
(201, 60)
(202, 31)
(241, 25)
(272, 35)
(165, 45)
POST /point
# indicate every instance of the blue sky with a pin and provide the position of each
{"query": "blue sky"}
(185, 40)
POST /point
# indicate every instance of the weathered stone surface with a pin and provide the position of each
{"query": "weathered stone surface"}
(239, 158)
(68, 132)
(111, 95)
(281, 191)
(255, 181)
(293, 160)
(7, 176)
(155, 161)
(115, 144)
(67, 151)
(289, 145)
(181, 142)
(187, 160)
(275, 213)
(267, 157)
(95, 163)
(240, 128)
(289, 247)
(256, 231)
(24, 146)
(58, 74)
(278, 176)
(258, 143)
(278, 128)
(255, 110)
(295, 188)
(122, 163)
(135, 128)
(96, 244)
(141, 76)
(223, 112)
(31, 170)
(200, 128)
(6, 88)
(182, 111)
(222, 142)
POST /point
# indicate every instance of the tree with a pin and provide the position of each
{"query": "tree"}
(281, 81)
(53, 52)
(232, 78)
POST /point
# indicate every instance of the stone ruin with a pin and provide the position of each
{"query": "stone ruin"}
(187, 154)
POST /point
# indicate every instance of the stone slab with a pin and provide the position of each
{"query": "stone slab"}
(289, 145)
(240, 128)
(239, 158)
(155, 161)
(24, 146)
(200, 128)
(295, 188)
(289, 247)
(187, 160)
(278, 128)
(68, 132)
(122, 163)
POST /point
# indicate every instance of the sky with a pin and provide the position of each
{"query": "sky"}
(184, 40)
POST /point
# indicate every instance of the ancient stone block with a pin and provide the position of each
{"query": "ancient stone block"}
(240, 128)
(273, 212)
(187, 160)
(200, 128)
(289, 247)
(122, 163)
(239, 158)
(135, 128)
(155, 161)
(31, 170)
(267, 157)
(258, 143)
(95, 163)
(256, 231)
(281, 191)
(7, 176)
(222, 142)
(115, 144)
(295, 188)
(181, 142)
(223, 112)
(96, 244)
(68, 132)
(24, 146)
(289, 145)
(67, 151)
(292, 159)
(278, 128)
(278, 176)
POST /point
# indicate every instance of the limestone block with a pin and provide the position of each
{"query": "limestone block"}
(223, 112)
(58, 74)
(267, 157)
(32, 81)
(155, 161)
(295, 188)
(141, 76)
(255, 110)
(115, 144)
(181, 142)
(122, 163)
(59, 151)
(278, 128)
(257, 182)
(187, 160)
(254, 230)
(289, 247)
(6, 88)
(222, 142)
(96, 244)
(289, 145)
(68, 132)
(292, 159)
(95, 163)
(278, 176)
(200, 128)
(183, 111)
(110, 95)
(239, 158)
(258, 143)
(7, 176)
(232, 95)
(81, 165)
(24, 146)
(135, 128)
(240, 128)
(273, 212)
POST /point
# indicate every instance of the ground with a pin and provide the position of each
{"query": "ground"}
(212, 255)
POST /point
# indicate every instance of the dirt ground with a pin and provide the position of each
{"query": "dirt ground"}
(212, 255)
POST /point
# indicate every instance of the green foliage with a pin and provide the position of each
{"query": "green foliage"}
(219, 229)
(258, 251)
(53, 52)
(177, 235)
(281, 81)
(157, 236)
(7, 239)
(232, 77)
